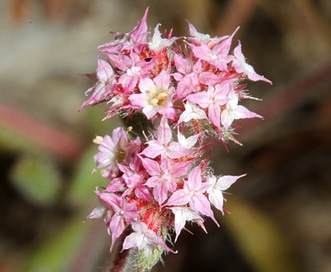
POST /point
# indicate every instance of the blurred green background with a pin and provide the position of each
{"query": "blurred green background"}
(280, 212)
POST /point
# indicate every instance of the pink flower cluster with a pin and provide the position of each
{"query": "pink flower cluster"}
(189, 88)
(189, 80)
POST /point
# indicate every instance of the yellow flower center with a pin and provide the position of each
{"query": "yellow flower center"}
(158, 98)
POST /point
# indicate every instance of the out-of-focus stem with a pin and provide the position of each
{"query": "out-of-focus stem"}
(43, 135)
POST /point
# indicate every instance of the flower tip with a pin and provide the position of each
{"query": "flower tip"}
(266, 80)
(234, 33)
(233, 139)
(215, 221)
(145, 14)
(242, 175)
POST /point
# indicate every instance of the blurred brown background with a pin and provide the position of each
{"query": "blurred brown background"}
(281, 211)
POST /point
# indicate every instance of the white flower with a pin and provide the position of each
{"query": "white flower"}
(218, 186)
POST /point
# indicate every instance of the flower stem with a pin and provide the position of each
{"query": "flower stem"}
(124, 261)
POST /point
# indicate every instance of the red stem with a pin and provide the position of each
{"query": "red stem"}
(41, 134)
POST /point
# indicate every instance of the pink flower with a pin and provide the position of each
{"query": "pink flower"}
(144, 238)
(212, 100)
(98, 212)
(184, 214)
(114, 150)
(135, 69)
(157, 42)
(164, 176)
(128, 41)
(234, 111)
(240, 65)
(187, 77)
(122, 213)
(155, 96)
(139, 33)
(197, 36)
(105, 84)
(116, 185)
(217, 54)
(164, 145)
(183, 65)
(135, 177)
(218, 186)
(191, 112)
(189, 142)
(193, 194)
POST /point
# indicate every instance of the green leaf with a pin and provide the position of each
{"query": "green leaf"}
(83, 183)
(94, 116)
(37, 179)
(12, 142)
(74, 247)
(259, 239)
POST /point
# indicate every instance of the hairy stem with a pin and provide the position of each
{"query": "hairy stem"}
(125, 261)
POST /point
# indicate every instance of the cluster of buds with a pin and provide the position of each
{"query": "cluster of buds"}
(187, 89)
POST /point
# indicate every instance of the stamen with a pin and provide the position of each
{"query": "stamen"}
(98, 139)
(162, 95)
(154, 101)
